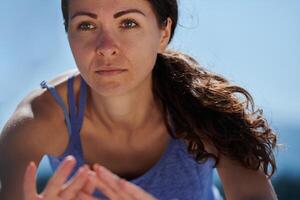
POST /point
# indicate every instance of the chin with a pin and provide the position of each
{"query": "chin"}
(111, 89)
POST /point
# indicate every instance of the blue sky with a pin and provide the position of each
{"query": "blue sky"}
(255, 44)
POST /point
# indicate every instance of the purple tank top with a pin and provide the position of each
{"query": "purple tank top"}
(176, 176)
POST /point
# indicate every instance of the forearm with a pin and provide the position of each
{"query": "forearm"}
(257, 198)
(264, 193)
(270, 195)
(240, 183)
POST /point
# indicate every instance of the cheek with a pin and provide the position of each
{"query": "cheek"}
(82, 52)
(141, 49)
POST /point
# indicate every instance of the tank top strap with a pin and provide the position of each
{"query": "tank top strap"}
(71, 101)
(76, 112)
(74, 119)
(82, 102)
(60, 102)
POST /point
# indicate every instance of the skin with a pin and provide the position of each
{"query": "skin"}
(57, 188)
(116, 119)
(118, 107)
(122, 102)
(82, 185)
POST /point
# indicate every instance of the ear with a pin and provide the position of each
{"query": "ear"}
(165, 35)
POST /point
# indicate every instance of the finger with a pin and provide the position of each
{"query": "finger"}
(84, 196)
(90, 186)
(60, 176)
(108, 177)
(135, 191)
(107, 191)
(29, 184)
(104, 187)
(125, 194)
(75, 184)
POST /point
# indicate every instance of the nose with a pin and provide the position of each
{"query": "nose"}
(106, 46)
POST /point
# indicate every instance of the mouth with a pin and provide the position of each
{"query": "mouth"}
(110, 72)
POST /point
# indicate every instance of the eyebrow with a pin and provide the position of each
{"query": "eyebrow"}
(124, 12)
(116, 15)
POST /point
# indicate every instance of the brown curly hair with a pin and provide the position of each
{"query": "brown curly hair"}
(205, 106)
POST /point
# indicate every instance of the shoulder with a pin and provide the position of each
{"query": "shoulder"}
(60, 83)
(37, 118)
(35, 128)
(42, 105)
(21, 140)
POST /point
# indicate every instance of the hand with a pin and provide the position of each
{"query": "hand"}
(115, 188)
(56, 188)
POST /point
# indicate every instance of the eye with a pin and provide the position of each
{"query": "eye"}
(129, 24)
(85, 26)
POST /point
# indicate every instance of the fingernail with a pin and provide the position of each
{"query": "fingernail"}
(32, 164)
(86, 167)
(69, 157)
(80, 170)
(91, 173)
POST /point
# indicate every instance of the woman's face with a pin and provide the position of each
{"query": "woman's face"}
(115, 43)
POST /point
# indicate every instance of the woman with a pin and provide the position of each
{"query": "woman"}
(148, 115)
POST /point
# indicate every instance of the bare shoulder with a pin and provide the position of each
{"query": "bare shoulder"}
(35, 116)
(35, 128)
(38, 117)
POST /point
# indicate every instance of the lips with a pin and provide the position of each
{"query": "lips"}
(109, 72)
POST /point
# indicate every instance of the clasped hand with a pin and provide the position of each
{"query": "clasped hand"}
(82, 184)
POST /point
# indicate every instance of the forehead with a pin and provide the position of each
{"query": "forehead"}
(102, 7)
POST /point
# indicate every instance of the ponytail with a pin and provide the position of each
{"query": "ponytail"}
(206, 107)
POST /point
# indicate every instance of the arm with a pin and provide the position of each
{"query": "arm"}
(29, 134)
(18, 146)
(240, 183)
(23, 139)
(57, 188)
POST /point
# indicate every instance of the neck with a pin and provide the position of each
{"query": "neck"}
(127, 113)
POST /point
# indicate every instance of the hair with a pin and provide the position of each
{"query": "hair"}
(204, 106)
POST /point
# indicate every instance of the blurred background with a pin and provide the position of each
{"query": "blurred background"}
(255, 44)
